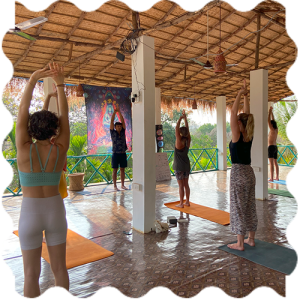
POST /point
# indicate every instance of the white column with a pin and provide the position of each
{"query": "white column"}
(259, 109)
(221, 132)
(143, 130)
(157, 110)
(48, 88)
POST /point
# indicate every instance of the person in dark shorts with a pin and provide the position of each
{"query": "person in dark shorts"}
(181, 164)
(272, 148)
(119, 158)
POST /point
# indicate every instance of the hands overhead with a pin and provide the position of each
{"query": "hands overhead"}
(58, 73)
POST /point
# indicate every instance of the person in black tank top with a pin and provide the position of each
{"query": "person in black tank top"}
(181, 164)
(243, 217)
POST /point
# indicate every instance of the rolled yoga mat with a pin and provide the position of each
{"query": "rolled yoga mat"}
(211, 214)
(79, 251)
(283, 193)
(269, 255)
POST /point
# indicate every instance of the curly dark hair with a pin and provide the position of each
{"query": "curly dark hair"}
(43, 125)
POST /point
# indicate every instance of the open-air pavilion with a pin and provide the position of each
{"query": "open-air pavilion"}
(166, 68)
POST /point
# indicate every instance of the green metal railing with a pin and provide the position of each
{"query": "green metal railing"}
(97, 167)
(287, 156)
(203, 159)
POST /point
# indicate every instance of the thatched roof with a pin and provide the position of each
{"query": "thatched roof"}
(91, 39)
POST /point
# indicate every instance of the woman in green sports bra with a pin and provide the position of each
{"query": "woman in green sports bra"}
(40, 165)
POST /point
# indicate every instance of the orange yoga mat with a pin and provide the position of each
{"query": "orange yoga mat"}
(79, 251)
(211, 214)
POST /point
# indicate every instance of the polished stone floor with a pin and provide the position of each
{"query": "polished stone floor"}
(186, 259)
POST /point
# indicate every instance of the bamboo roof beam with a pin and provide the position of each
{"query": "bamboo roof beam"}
(214, 46)
(257, 41)
(107, 39)
(167, 14)
(270, 19)
(80, 19)
(166, 24)
(38, 31)
(199, 38)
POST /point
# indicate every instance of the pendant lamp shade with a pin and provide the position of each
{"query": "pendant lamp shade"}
(220, 62)
(194, 105)
(207, 65)
(79, 91)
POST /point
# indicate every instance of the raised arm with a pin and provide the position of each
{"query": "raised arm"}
(177, 131)
(22, 135)
(112, 120)
(47, 101)
(235, 129)
(121, 117)
(187, 126)
(270, 115)
(64, 129)
(246, 100)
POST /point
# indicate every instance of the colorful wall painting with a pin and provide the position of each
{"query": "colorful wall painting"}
(100, 103)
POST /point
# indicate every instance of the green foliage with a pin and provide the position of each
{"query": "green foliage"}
(283, 112)
(78, 145)
(78, 129)
(11, 139)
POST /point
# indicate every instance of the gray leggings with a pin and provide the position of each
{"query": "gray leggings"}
(39, 214)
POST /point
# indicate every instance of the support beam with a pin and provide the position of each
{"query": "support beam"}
(221, 133)
(259, 109)
(143, 129)
(38, 31)
(257, 42)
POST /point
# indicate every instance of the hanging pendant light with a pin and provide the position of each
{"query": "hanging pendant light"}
(207, 65)
(79, 90)
(194, 105)
(220, 61)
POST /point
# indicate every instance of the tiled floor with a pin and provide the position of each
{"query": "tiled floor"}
(185, 260)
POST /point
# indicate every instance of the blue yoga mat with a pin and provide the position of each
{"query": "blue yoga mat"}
(278, 181)
(269, 255)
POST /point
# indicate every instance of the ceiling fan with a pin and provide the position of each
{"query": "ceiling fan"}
(26, 25)
(208, 65)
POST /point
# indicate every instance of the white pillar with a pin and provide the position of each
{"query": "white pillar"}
(143, 131)
(157, 110)
(221, 132)
(48, 88)
(259, 109)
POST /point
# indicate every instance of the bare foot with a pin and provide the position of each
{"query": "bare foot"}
(124, 187)
(116, 189)
(270, 179)
(187, 203)
(235, 247)
(250, 241)
(180, 205)
(277, 179)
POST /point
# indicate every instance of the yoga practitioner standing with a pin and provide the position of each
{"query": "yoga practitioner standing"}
(40, 165)
(243, 216)
(181, 164)
(272, 145)
(119, 157)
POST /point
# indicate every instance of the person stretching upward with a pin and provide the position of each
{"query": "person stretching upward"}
(272, 145)
(119, 157)
(40, 164)
(181, 164)
(243, 217)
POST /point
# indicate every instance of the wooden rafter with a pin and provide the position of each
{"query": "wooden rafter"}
(38, 31)
(213, 46)
(166, 24)
(257, 41)
(80, 19)
(199, 38)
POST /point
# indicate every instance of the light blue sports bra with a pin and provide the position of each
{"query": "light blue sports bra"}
(40, 178)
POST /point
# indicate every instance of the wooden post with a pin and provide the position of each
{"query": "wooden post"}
(134, 21)
(257, 42)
